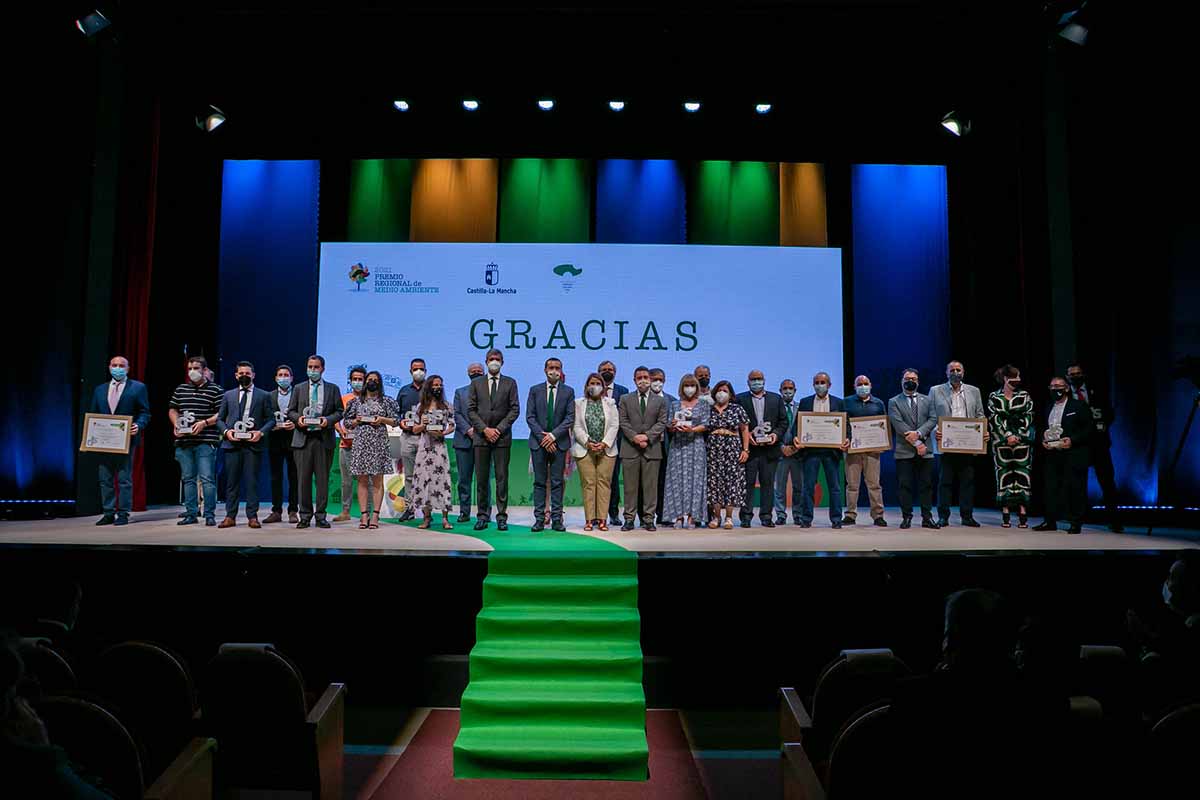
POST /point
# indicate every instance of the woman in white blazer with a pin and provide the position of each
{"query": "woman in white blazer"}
(595, 449)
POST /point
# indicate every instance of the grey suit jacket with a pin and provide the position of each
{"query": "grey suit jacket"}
(901, 418)
(500, 413)
(331, 409)
(632, 422)
(940, 397)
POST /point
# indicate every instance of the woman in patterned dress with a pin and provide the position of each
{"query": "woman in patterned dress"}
(431, 475)
(1010, 415)
(369, 460)
(684, 490)
(728, 448)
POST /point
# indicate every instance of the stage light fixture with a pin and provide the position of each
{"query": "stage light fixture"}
(1074, 25)
(400, 105)
(956, 124)
(616, 105)
(471, 105)
(546, 104)
(210, 119)
(93, 23)
(691, 106)
(763, 108)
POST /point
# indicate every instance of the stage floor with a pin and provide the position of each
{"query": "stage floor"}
(156, 528)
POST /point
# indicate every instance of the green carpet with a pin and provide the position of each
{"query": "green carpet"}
(556, 673)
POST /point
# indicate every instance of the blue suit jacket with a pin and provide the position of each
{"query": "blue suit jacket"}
(262, 411)
(564, 414)
(461, 423)
(806, 404)
(134, 402)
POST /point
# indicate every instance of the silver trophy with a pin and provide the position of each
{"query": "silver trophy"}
(184, 421)
(311, 417)
(434, 421)
(1053, 437)
(366, 418)
(411, 418)
(683, 418)
(762, 433)
(242, 429)
(281, 417)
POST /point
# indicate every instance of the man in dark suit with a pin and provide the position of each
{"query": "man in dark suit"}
(1099, 443)
(313, 445)
(762, 408)
(492, 407)
(1065, 440)
(244, 409)
(464, 448)
(813, 459)
(279, 448)
(643, 421)
(913, 422)
(550, 412)
(608, 373)
(119, 395)
(658, 382)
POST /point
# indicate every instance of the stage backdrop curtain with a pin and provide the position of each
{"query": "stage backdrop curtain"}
(378, 207)
(454, 200)
(734, 202)
(901, 282)
(640, 202)
(802, 217)
(545, 200)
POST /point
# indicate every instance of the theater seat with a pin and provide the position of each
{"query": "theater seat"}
(96, 741)
(47, 666)
(856, 755)
(253, 703)
(190, 774)
(1107, 674)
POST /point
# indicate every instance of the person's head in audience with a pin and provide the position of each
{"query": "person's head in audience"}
(1181, 589)
(18, 721)
(979, 633)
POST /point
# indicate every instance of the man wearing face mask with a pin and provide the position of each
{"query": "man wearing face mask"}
(550, 412)
(789, 464)
(249, 405)
(1099, 443)
(761, 407)
(704, 377)
(954, 398)
(911, 416)
(1066, 458)
(813, 459)
(464, 449)
(358, 375)
(643, 421)
(408, 398)
(125, 396)
(313, 444)
(196, 448)
(492, 407)
(279, 450)
(658, 379)
(861, 466)
(613, 391)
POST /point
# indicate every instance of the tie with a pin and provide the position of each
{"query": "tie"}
(245, 403)
(550, 411)
(313, 395)
(492, 391)
(642, 397)
(913, 403)
(789, 413)
(112, 397)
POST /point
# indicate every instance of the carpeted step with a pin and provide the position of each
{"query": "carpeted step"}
(583, 704)
(531, 590)
(551, 562)
(549, 622)
(551, 752)
(602, 660)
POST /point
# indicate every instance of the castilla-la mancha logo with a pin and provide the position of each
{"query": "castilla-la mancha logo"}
(491, 274)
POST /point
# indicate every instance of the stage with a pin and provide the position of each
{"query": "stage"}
(156, 528)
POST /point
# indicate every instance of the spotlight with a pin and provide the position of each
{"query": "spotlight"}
(616, 105)
(956, 124)
(471, 105)
(691, 106)
(93, 23)
(400, 105)
(546, 105)
(210, 119)
(763, 108)
(1075, 25)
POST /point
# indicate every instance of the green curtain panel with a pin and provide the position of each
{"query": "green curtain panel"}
(545, 200)
(734, 202)
(380, 200)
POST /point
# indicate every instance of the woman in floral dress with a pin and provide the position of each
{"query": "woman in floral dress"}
(687, 468)
(728, 449)
(369, 459)
(431, 476)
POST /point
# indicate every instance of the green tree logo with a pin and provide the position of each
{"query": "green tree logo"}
(359, 274)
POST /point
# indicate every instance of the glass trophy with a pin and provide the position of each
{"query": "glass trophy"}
(1053, 437)
(762, 433)
(243, 428)
(184, 421)
(310, 417)
(683, 418)
(411, 418)
(281, 417)
(366, 417)
(434, 421)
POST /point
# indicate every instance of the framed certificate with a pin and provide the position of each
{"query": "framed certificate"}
(870, 435)
(963, 435)
(106, 433)
(821, 428)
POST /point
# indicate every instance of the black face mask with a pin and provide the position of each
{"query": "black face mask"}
(372, 386)
(1076, 380)
(910, 386)
(435, 393)
(703, 382)
(1058, 394)
(608, 376)
(473, 375)
(245, 380)
(1015, 385)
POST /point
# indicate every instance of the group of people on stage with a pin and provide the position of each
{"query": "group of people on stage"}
(686, 460)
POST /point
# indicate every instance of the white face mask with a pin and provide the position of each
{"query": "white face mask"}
(643, 385)
(689, 391)
(1167, 592)
(722, 396)
(194, 375)
(553, 376)
(494, 367)
(595, 391)
(418, 375)
(656, 385)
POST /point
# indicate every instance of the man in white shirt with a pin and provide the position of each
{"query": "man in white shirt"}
(956, 399)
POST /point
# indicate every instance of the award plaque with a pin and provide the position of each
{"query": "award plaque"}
(1053, 437)
(311, 417)
(106, 433)
(821, 428)
(184, 421)
(683, 418)
(434, 421)
(870, 435)
(762, 433)
(963, 435)
(243, 429)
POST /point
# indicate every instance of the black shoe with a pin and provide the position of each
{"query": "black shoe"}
(481, 525)
(650, 527)
(849, 520)
(502, 525)
(558, 526)
(537, 526)
(781, 520)
(927, 522)
(1116, 527)
(745, 523)
(880, 522)
(210, 522)
(464, 516)
(184, 521)
(971, 523)
(615, 520)
(121, 520)
(302, 524)
(182, 514)
(1076, 528)
(837, 526)
(906, 523)
(1046, 526)
(408, 515)
(109, 519)
(323, 523)
(766, 523)
(627, 526)
(943, 523)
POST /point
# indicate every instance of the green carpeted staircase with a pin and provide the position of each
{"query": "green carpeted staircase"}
(556, 673)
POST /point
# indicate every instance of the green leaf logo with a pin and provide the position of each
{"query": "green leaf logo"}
(567, 269)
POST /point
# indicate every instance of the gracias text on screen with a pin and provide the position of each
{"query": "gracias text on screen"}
(594, 334)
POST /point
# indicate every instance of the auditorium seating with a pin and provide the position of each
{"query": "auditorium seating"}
(96, 741)
(46, 666)
(253, 703)
(189, 776)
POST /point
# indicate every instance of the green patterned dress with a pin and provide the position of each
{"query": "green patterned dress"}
(1014, 477)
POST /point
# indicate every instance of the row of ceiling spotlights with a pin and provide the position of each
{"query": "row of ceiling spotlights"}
(547, 104)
